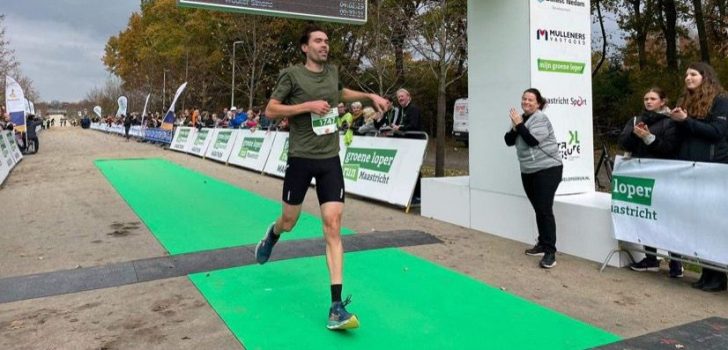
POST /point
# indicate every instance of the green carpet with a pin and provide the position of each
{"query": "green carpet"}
(188, 211)
(403, 302)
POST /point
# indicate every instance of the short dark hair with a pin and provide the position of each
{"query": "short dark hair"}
(306, 36)
(539, 99)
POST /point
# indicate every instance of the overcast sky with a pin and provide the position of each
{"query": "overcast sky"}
(60, 43)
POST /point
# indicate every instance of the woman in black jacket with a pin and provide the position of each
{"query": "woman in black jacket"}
(701, 118)
(652, 134)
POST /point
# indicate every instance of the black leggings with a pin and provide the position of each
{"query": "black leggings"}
(540, 188)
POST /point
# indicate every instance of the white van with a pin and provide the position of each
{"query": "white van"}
(460, 120)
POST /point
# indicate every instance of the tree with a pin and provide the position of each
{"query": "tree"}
(439, 41)
(667, 15)
(702, 36)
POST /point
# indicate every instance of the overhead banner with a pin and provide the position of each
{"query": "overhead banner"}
(168, 121)
(253, 148)
(677, 206)
(278, 157)
(183, 136)
(122, 106)
(202, 140)
(560, 39)
(14, 149)
(15, 103)
(384, 169)
(222, 144)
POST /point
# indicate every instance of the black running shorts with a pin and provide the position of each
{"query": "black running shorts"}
(328, 175)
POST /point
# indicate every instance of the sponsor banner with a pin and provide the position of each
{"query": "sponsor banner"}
(222, 144)
(97, 111)
(136, 131)
(252, 149)
(183, 136)
(4, 169)
(6, 153)
(15, 103)
(384, 169)
(560, 36)
(157, 135)
(200, 142)
(278, 158)
(673, 205)
(14, 149)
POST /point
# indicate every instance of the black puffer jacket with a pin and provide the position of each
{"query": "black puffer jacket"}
(704, 140)
(667, 138)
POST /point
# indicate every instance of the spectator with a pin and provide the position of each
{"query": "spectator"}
(541, 168)
(356, 114)
(409, 118)
(652, 134)
(239, 119)
(373, 120)
(127, 125)
(701, 117)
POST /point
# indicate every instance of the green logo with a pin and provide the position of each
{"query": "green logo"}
(4, 148)
(372, 159)
(553, 66)
(252, 145)
(284, 154)
(183, 135)
(223, 137)
(633, 190)
(201, 137)
(573, 137)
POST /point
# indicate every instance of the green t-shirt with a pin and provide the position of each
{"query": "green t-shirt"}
(297, 85)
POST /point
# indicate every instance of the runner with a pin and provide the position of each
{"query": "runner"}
(308, 95)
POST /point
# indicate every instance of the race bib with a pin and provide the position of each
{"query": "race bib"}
(324, 124)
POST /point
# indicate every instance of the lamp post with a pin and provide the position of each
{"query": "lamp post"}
(164, 90)
(232, 85)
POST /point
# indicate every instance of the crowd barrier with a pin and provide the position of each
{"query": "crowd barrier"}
(676, 206)
(10, 154)
(380, 168)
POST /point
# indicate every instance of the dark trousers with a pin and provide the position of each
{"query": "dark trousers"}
(540, 188)
(651, 257)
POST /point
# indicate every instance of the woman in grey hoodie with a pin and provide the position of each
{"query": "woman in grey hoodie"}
(541, 169)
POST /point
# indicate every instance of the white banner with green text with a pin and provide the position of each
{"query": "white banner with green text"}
(677, 206)
(222, 144)
(384, 169)
(201, 141)
(183, 139)
(252, 148)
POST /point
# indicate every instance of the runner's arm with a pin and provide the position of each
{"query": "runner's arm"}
(380, 104)
(277, 110)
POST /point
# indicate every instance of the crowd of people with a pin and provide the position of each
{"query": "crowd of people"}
(696, 129)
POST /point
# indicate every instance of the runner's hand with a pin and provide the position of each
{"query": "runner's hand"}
(380, 103)
(319, 107)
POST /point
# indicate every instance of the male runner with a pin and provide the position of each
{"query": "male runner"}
(308, 95)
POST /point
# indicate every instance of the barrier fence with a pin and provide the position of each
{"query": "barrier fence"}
(10, 154)
(677, 206)
(380, 168)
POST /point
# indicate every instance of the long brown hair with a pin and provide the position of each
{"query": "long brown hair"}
(697, 103)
